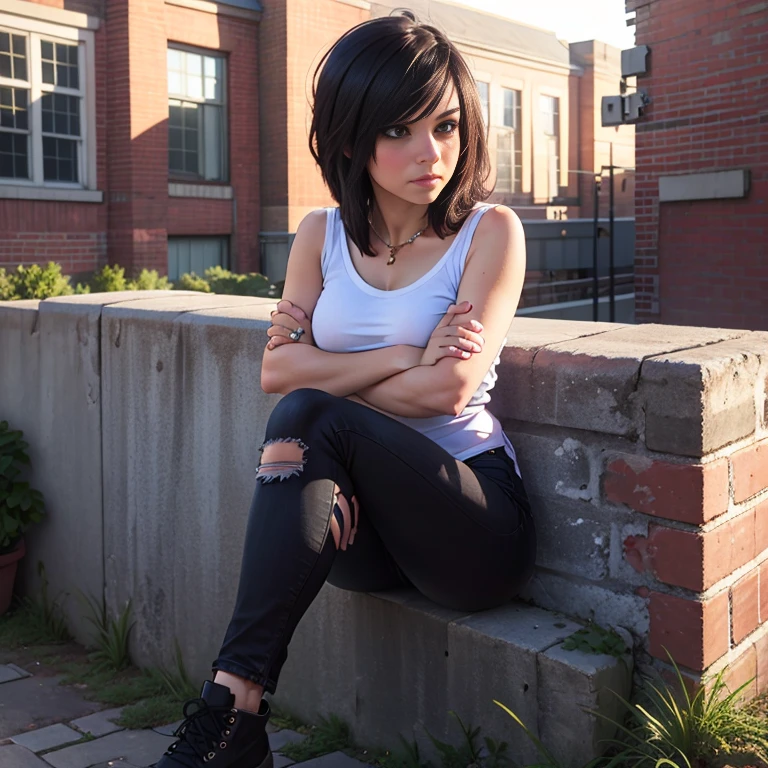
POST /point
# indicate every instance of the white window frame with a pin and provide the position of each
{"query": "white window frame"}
(35, 31)
(182, 178)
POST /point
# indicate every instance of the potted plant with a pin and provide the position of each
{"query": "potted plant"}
(20, 505)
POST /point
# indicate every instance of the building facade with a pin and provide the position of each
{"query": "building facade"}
(172, 134)
(702, 164)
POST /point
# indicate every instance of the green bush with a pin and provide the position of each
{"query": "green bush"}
(149, 280)
(192, 282)
(20, 505)
(7, 290)
(222, 280)
(36, 282)
(108, 278)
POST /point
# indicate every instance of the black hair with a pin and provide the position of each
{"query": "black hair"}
(382, 73)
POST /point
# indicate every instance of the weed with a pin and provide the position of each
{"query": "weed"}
(150, 713)
(85, 737)
(112, 635)
(176, 681)
(596, 639)
(330, 735)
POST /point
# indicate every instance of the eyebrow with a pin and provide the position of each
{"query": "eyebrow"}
(449, 112)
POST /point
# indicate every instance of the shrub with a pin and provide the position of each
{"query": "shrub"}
(20, 505)
(192, 282)
(7, 289)
(36, 282)
(149, 280)
(222, 280)
(108, 278)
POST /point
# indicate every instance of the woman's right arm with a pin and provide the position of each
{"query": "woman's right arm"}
(294, 366)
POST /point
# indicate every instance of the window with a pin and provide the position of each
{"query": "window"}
(549, 107)
(196, 254)
(509, 145)
(197, 147)
(42, 109)
(482, 89)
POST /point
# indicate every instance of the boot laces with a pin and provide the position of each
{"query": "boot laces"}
(200, 734)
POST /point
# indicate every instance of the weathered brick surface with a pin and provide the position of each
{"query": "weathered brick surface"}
(699, 400)
(745, 606)
(750, 471)
(695, 633)
(690, 493)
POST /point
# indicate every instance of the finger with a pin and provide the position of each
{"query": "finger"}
(278, 341)
(452, 311)
(279, 330)
(456, 332)
(297, 313)
(287, 321)
(465, 344)
(453, 351)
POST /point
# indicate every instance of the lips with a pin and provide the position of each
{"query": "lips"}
(428, 177)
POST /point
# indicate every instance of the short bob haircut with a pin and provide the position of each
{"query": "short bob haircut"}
(385, 72)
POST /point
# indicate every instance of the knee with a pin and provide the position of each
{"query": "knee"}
(297, 412)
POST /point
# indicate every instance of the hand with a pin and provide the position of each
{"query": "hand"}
(286, 318)
(461, 340)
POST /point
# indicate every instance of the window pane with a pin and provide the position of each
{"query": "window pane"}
(61, 114)
(59, 159)
(482, 90)
(5, 42)
(194, 86)
(63, 69)
(194, 64)
(5, 65)
(511, 108)
(13, 108)
(176, 160)
(174, 82)
(174, 59)
(14, 156)
(212, 149)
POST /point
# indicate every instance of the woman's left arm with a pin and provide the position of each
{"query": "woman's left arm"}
(492, 283)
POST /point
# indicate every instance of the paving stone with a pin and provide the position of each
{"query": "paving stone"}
(137, 748)
(15, 756)
(47, 738)
(39, 701)
(116, 764)
(99, 723)
(278, 740)
(10, 672)
(334, 760)
(167, 730)
(281, 761)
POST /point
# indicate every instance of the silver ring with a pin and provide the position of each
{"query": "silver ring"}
(297, 334)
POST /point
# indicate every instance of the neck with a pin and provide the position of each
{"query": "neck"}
(395, 219)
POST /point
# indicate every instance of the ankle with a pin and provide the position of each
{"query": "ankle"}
(247, 694)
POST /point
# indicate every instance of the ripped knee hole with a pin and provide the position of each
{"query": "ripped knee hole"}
(281, 458)
(344, 520)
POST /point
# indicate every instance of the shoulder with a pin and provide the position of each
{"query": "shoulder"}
(499, 233)
(314, 223)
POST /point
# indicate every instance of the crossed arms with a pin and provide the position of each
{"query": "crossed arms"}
(403, 380)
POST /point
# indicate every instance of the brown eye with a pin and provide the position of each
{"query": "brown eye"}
(396, 132)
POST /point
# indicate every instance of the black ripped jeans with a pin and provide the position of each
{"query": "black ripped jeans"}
(460, 532)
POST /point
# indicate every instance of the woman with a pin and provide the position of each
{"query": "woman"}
(381, 467)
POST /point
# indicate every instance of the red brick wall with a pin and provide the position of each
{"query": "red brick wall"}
(703, 263)
(73, 234)
(131, 226)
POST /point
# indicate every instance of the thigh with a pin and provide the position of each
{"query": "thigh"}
(461, 535)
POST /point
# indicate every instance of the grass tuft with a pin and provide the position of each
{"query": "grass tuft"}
(331, 735)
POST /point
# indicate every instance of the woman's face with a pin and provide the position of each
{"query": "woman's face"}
(406, 154)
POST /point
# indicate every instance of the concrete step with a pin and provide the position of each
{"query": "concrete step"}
(394, 663)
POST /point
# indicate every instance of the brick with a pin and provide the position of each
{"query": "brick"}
(745, 606)
(763, 612)
(743, 671)
(761, 528)
(750, 471)
(761, 650)
(689, 493)
(695, 633)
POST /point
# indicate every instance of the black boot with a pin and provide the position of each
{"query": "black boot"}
(216, 735)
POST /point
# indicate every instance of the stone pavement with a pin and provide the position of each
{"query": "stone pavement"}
(46, 725)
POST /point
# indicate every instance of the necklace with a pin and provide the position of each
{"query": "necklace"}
(393, 249)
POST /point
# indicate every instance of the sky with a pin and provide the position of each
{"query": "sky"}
(572, 20)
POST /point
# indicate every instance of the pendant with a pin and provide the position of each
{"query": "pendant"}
(392, 252)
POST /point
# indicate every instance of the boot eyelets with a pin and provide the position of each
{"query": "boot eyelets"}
(226, 732)
(231, 720)
(223, 745)
(209, 756)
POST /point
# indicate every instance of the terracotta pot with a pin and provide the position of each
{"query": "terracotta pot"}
(8, 565)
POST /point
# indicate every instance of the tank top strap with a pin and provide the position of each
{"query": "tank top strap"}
(331, 246)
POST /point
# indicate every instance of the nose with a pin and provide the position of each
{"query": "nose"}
(429, 151)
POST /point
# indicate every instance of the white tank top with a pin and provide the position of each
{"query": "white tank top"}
(353, 316)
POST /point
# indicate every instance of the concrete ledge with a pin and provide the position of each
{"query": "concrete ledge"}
(394, 662)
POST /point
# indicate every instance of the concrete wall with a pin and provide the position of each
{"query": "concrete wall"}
(644, 449)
